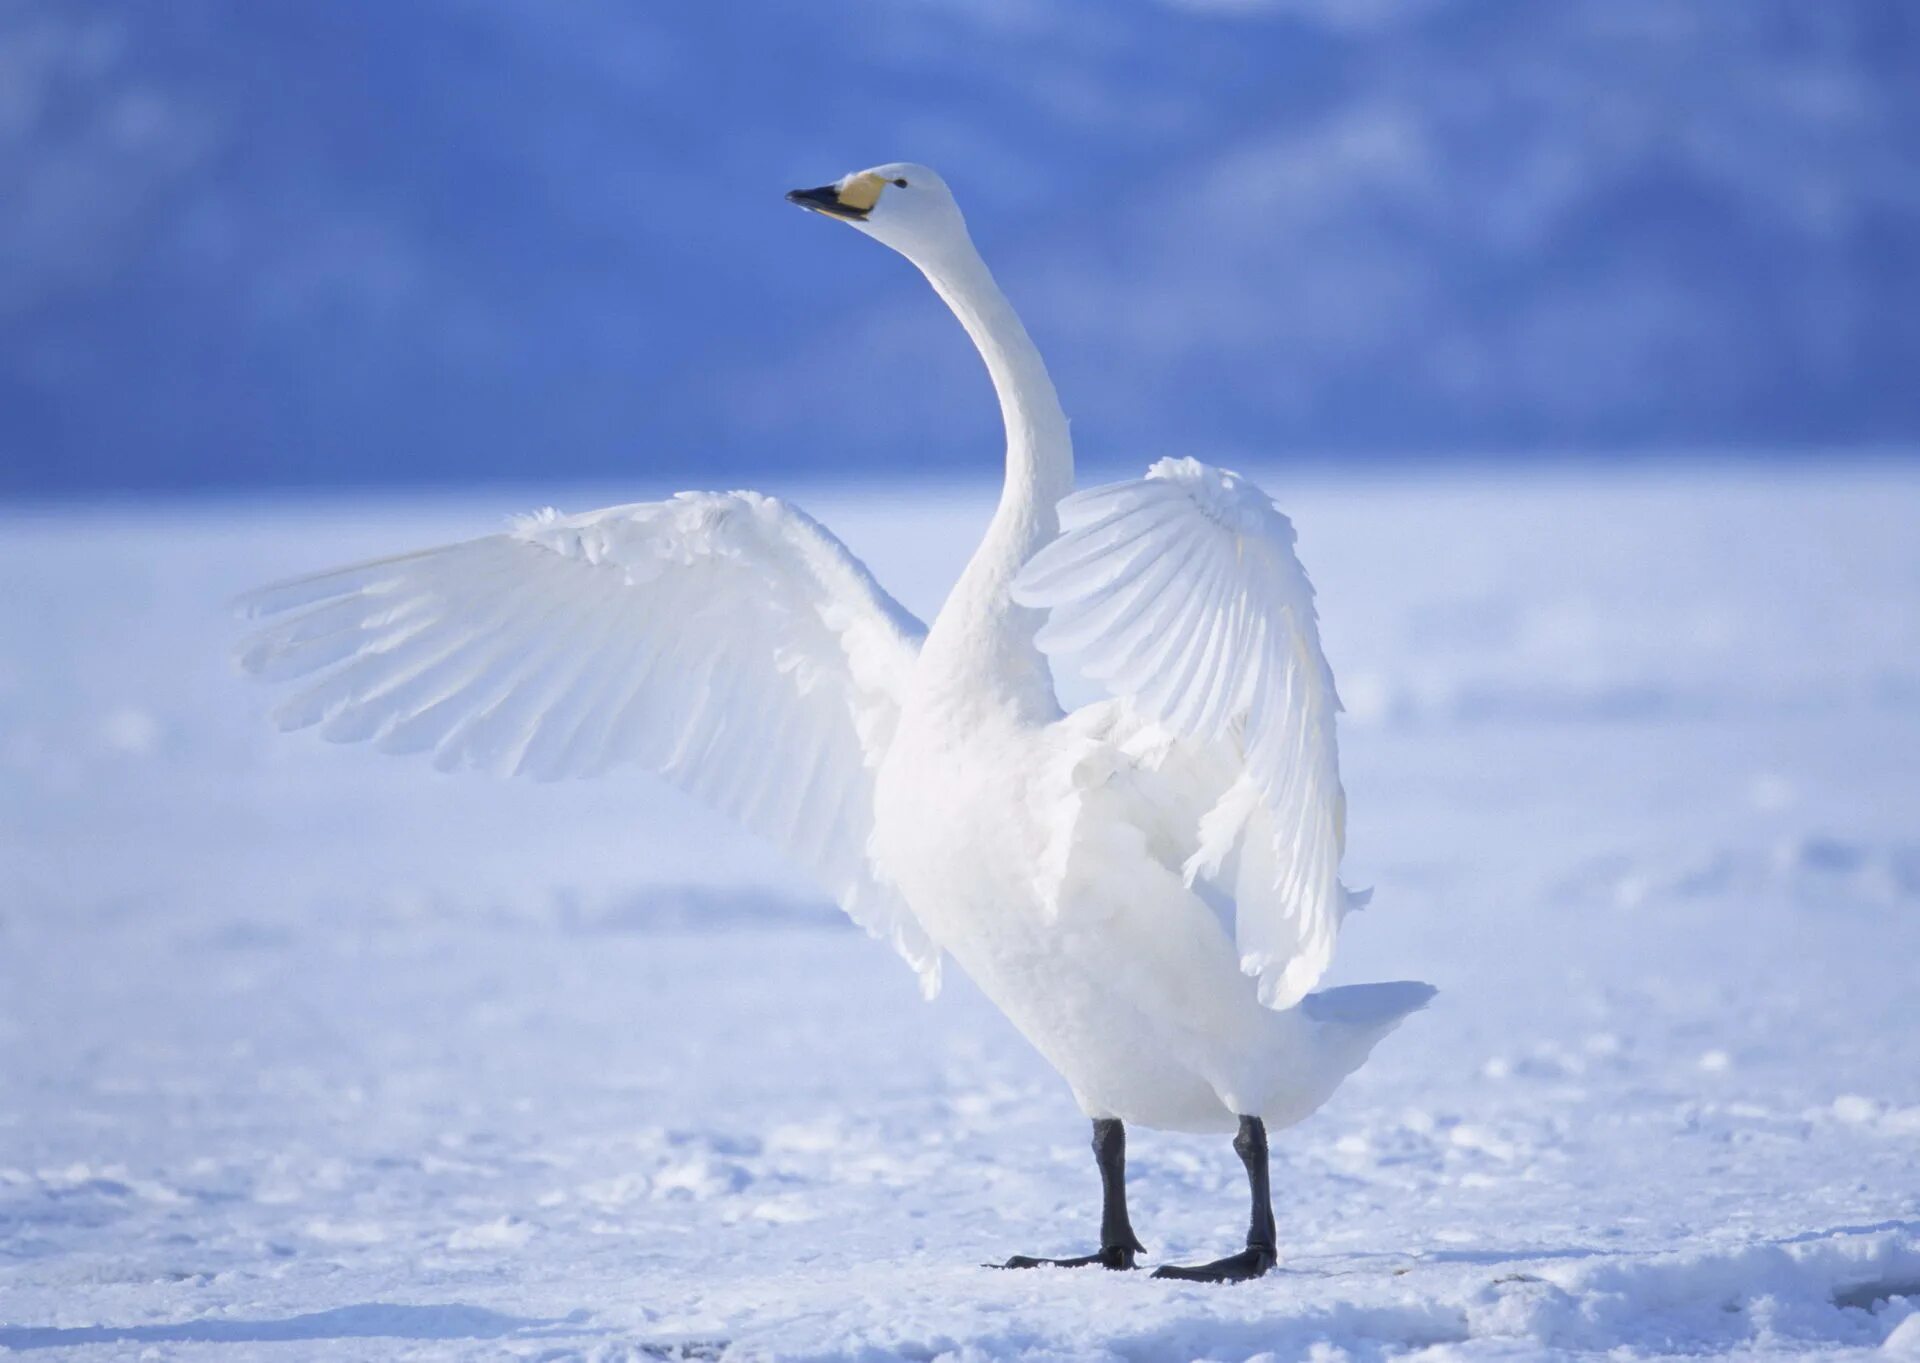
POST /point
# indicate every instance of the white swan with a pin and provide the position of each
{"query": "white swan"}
(1147, 887)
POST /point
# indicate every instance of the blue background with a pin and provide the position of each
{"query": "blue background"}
(319, 242)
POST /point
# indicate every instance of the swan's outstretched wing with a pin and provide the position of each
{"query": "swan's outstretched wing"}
(1181, 592)
(726, 641)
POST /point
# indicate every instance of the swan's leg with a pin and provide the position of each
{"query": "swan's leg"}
(1117, 1242)
(1116, 1231)
(1260, 1253)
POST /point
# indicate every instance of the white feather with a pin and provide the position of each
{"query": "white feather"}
(1230, 659)
(698, 636)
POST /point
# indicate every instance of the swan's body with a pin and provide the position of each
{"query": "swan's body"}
(1147, 887)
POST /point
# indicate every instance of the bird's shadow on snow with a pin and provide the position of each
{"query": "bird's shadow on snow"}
(370, 1320)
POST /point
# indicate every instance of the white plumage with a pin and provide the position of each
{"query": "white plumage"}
(1181, 592)
(724, 640)
(1149, 888)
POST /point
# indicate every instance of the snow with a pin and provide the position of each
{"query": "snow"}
(307, 1048)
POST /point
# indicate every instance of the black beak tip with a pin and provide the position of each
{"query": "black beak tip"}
(825, 199)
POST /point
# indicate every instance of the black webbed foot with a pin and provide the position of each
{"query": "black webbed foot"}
(1250, 1263)
(1115, 1257)
(1117, 1243)
(1259, 1255)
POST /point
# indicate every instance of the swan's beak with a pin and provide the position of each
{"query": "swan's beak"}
(852, 198)
(826, 199)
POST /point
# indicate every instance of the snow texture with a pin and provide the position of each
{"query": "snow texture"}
(310, 1054)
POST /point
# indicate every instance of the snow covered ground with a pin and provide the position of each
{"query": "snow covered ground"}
(310, 1053)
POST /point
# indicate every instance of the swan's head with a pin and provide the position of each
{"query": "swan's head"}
(901, 205)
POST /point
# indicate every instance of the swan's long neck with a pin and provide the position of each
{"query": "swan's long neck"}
(980, 653)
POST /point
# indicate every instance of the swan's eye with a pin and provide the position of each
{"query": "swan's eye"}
(901, 183)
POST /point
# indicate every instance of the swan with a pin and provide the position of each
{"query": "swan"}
(1147, 887)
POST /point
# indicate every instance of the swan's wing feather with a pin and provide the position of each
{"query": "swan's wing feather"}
(726, 641)
(1181, 593)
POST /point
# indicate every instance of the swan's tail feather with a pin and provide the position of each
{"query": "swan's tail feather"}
(1353, 1018)
(1369, 1005)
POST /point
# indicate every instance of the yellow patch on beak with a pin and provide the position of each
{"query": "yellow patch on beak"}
(861, 192)
(851, 199)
